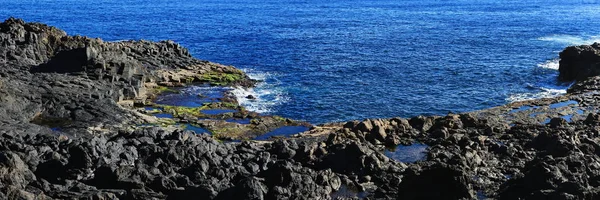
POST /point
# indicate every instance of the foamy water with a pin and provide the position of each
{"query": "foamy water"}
(547, 89)
(571, 39)
(551, 64)
(266, 94)
(544, 93)
(345, 60)
(550, 88)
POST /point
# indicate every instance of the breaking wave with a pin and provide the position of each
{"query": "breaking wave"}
(551, 64)
(570, 39)
(544, 93)
(265, 95)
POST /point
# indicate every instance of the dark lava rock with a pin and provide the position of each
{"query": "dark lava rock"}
(571, 177)
(591, 84)
(579, 62)
(74, 82)
(435, 182)
(65, 134)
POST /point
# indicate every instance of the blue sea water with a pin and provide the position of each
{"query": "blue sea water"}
(341, 60)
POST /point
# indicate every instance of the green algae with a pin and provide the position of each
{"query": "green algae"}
(161, 89)
(215, 78)
(279, 118)
(179, 111)
(164, 122)
(229, 132)
(52, 122)
(153, 111)
(183, 111)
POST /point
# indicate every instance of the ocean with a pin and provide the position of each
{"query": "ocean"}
(339, 60)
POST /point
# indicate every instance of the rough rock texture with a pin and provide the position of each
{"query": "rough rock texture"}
(579, 62)
(75, 82)
(149, 163)
(51, 80)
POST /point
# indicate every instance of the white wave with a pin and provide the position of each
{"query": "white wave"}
(117, 41)
(544, 93)
(550, 64)
(260, 76)
(570, 39)
(266, 93)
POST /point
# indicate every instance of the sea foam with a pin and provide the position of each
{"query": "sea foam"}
(547, 89)
(550, 64)
(544, 93)
(266, 93)
(570, 39)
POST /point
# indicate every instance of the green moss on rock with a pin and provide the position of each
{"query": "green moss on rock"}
(161, 89)
(183, 111)
(215, 78)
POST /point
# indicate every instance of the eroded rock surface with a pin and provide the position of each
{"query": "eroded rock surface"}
(579, 62)
(65, 135)
(57, 80)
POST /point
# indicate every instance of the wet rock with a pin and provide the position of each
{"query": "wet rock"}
(591, 84)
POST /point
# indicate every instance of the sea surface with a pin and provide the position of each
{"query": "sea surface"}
(339, 60)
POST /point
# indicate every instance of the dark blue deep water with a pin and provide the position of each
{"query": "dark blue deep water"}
(352, 59)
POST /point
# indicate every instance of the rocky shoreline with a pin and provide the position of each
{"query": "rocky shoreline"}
(73, 112)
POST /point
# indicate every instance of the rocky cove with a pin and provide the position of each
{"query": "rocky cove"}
(82, 118)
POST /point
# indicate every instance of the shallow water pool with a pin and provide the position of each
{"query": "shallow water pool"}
(164, 115)
(239, 121)
(193, 96)
(563, 104)
(217, 111)
(196, 129)
(408, 154)
(283, 131)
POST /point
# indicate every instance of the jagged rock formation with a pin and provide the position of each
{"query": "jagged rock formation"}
(579, 62)
(51, 78)
(75, 83)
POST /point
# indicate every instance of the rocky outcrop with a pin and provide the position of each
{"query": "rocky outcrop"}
(149, 163)
(127, 64)
(566, 169)
(75, 82)
(64, 135)
(469, 162)
(579, 62)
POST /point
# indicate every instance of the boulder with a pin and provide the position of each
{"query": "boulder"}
(579, 62)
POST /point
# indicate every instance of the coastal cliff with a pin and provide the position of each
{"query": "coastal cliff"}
(71, 128)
